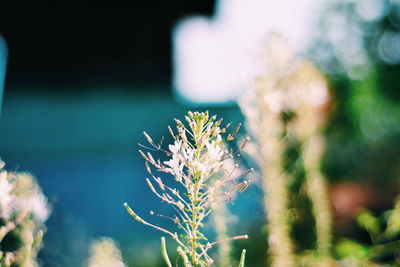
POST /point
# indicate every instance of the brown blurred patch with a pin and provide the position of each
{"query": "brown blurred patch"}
(347, 198)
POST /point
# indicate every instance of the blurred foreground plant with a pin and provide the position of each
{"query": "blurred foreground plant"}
(23, 211)
(283, 107)
(197, 166)
(220, 219)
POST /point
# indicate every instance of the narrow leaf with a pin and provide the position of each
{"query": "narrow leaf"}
(164, 252)
(242, 258)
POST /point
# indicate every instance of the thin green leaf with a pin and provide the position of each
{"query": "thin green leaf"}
(164, 252)
(242, 258)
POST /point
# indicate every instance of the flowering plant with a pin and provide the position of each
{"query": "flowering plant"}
(23, 211)
(196, 162)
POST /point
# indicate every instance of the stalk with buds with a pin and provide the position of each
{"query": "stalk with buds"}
(220, 221)
(196, 163)
(311, 116)
(263, 108)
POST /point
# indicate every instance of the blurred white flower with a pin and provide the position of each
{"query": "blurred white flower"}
(37, 205)
(176, 167)
(21, 197)
(5, 195)
(30, 198)
(105, 253)
(175, 147)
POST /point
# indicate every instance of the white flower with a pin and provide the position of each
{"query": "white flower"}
(176, 167)
(175, 147)
(199, 167)
(188, 154)
(214, 151)
(105, 253)
(37, 205)
(30, 198)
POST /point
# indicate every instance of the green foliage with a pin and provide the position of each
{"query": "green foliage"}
(350, 248)
(385, 246)
(370, 223)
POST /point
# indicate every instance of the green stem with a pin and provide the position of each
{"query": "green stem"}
(195, 202)
(139, 219)
(164, 252)
(194, 223)
(242, 258)
(317, 190)
(224, 248)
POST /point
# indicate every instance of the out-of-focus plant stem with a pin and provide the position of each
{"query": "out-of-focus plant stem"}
(224, 248)
(308, 125)
(317, 190)
(242, 258)
(271, 149)
(164, 252)
(276, 203)
(289, 100)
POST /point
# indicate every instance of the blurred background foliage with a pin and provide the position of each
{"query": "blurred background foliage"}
(358, 49)
(362, 63)
(357, 46)
(85, 79)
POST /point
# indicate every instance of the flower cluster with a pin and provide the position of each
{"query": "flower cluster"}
(209, 162)
(196, 162)
(23, 211)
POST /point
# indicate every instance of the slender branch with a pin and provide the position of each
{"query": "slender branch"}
(229, 239)
(210, 245)
(137, 218)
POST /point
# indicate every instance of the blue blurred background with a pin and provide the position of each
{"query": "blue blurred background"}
(84, 79)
